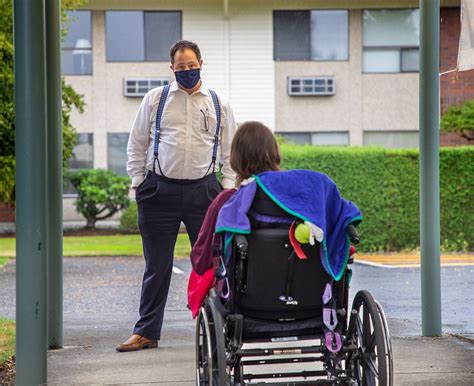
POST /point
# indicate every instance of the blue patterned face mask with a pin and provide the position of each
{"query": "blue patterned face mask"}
(189, 78)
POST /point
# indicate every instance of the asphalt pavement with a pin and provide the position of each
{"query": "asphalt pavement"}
(101, 297)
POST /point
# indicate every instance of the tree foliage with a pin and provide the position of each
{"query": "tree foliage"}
(70, 98)
(459, 119)
(101, 193)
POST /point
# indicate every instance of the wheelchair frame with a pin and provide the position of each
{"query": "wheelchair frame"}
(364, 359)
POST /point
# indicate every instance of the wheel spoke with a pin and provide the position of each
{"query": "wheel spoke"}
(372, 367)
(371, 344)
(366, 326)
(360, 335)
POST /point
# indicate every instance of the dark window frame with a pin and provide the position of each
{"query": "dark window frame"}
(400, 47)
(275, 59)
(109, 133)
(143, 11)
(89, 49)
(66, 182)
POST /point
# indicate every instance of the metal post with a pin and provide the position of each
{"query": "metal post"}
(30, 150)
(54, 176)
(429, 169)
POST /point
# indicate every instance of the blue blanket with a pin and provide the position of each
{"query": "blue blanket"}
(307, 195)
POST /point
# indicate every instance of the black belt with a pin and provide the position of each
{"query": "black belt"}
(181, 181)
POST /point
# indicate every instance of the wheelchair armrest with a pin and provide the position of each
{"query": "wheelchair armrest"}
(353, 234)
(241, 242)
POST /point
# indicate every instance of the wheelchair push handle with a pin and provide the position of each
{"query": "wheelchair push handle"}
(352, 233)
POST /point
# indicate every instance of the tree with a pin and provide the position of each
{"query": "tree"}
(70, 98)
(459, 119)
(101, 194)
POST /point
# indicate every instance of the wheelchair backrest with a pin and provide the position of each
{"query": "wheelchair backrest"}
(276, 284)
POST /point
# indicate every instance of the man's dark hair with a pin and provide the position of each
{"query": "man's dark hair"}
(183, 45)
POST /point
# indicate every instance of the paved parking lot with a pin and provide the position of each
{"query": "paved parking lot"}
(101, 297)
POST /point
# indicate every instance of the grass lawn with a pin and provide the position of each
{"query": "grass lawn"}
(4, 259)
(7, 339)
(116, 245)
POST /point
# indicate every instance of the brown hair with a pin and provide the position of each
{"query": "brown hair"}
(254, 150)
(182, 45)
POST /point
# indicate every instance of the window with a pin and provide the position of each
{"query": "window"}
(117, 152)
(83, 153)
(311, 85)
(297, 138)
(137, 36)
(311, 35)
(391, 40)
(334, 138)
(391, 138)
(82, 158)
(139, 87)
(76, 48)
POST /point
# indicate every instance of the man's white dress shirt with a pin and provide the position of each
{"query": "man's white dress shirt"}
(187, 133)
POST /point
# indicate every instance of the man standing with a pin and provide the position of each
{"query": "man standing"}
(181, 132)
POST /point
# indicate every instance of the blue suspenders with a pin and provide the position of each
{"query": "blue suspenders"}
(159, 115)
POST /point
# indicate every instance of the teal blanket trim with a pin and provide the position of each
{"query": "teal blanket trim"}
(232, 230)
(354, 220)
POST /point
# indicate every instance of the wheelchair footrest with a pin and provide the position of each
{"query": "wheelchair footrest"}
(281, 351)
(278, 361)
(302, 374)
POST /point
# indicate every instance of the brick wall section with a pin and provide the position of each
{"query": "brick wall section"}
(462, 89)
(453, 139)
(7, 212)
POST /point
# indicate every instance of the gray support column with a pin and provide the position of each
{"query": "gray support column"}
(30, 129)
(54, 175)
(429, 168)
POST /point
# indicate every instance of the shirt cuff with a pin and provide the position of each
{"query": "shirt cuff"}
(137, 180)
(228, 183)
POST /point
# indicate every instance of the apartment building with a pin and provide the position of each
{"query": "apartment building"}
(340, 72)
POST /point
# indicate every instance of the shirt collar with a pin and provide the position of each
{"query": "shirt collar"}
(201, 90)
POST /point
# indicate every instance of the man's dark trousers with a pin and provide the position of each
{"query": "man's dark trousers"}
(162, 204)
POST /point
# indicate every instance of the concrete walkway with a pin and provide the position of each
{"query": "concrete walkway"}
(90, 358)
(101, 301)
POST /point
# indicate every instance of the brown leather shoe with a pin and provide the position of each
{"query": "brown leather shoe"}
(137, 342)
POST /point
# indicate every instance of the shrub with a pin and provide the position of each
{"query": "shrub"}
(129, 219)
(384, 183)
(102, 193)
(459, 119)
(7, 179)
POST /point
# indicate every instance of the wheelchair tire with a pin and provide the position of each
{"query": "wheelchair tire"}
(204, 358)
(368, 364)
(388, 343)
(210, 347)
(220, 373)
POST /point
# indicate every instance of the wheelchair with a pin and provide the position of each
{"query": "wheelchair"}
(274, 317)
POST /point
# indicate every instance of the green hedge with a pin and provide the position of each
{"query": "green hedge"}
(129, 219)
(7, 179)
(384, 183)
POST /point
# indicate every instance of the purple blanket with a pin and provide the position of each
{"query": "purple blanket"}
(307, 195)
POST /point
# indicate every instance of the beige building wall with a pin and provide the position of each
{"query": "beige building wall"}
(236, 39)
(252, 76)
(362, 102)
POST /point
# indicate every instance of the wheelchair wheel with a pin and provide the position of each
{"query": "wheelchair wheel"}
(367, 365)
(210, 347)
(204, 360)
(388, 343)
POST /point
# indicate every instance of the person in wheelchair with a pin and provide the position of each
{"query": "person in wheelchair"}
(269, 257)
(254, 150)
(294, 196)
